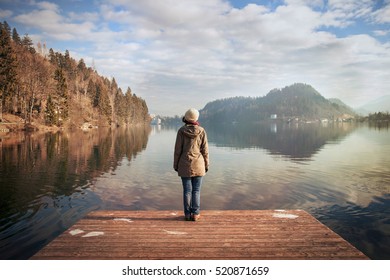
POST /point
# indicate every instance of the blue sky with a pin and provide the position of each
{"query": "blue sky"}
(181, 54)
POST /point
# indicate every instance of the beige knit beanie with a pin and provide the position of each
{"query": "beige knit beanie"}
(191, 115)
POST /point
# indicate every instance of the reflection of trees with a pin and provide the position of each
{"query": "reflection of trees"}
(45, 179)
(57, 165)
(298, 141)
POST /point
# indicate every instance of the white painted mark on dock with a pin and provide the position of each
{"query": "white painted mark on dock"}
(93, 233)
(76, 231)
(123, 220)
(285, 216)
(175, 232)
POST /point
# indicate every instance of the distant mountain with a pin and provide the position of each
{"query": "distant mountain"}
(299, 100)
(340, 103)
(381, 104)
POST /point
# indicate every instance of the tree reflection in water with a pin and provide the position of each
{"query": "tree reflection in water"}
(46, 178)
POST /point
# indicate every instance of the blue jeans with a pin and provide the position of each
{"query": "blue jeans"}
(191, 194)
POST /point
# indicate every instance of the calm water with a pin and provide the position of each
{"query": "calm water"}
(338, 173)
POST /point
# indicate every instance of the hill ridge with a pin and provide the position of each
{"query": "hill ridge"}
(297, 101)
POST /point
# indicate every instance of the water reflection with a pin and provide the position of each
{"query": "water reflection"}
(295, 140)
(50, 181)
(366, 227)
(45, 181)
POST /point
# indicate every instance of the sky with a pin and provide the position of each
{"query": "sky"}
(180, 54)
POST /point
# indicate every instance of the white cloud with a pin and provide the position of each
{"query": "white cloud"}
(80, 17)
(351, 8)
(50, 22)
(382, 15)
(5, 13)
(343, 13)
(48, 6)
(381, 32)
(251, 50)
(174, 53)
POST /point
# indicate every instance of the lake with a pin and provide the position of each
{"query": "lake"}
(339, 173)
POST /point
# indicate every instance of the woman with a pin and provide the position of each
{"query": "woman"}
(191, 161)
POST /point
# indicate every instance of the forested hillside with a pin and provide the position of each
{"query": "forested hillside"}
(298, 101)
(51, 88)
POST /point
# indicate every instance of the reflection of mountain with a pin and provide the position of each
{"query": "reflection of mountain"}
(291, 140)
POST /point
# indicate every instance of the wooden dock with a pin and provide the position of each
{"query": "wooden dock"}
(235, 234)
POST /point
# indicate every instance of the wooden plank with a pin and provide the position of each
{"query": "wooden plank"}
(232, 234)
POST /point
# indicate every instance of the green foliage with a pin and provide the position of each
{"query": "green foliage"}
(28, 44)
(7, 68)
(61, 97)
(50, 112)
(16, 37)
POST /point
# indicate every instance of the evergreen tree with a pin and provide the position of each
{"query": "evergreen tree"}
(28, 44)
(62, 96)
(91, 92)
(52, 57)
(96, 95)
(103, 103)
(67, 62)
(7, 69)
(7, 28)
(82, 70)
(16, 37)
(50, 115)
(81, 66)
